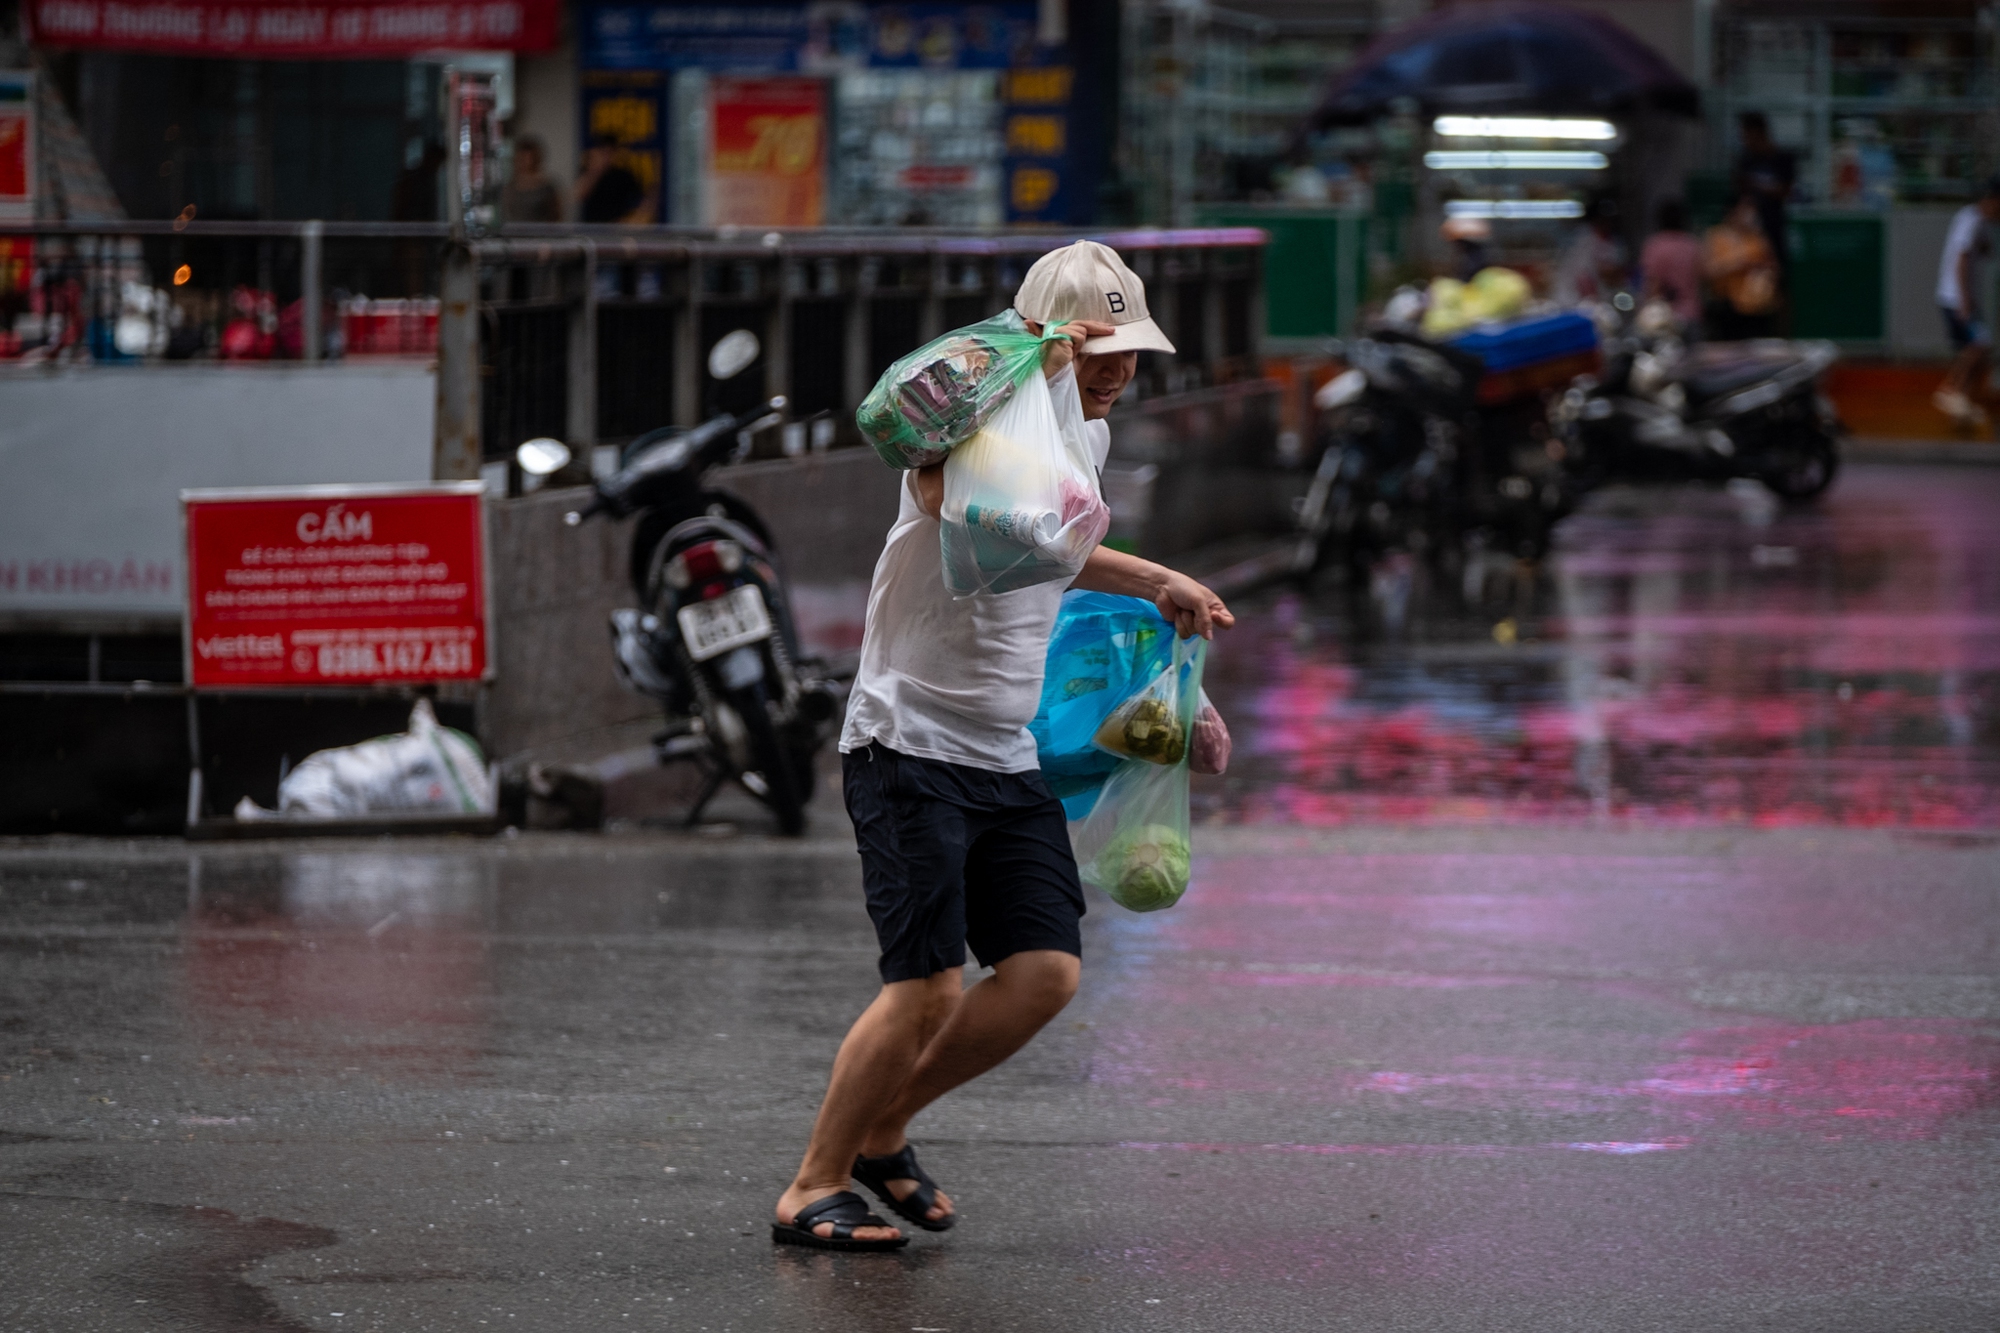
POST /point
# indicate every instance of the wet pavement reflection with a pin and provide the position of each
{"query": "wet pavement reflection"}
(1477, 1059)
(1690, 655)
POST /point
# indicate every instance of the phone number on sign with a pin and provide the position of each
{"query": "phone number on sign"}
(394, 659)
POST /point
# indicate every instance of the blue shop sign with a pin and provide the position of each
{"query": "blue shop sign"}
(821, 38)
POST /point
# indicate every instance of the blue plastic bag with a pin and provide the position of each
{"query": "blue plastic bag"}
(1105, 649)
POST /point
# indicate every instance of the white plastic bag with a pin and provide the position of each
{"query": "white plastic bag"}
(1021, 502)
(428, 769)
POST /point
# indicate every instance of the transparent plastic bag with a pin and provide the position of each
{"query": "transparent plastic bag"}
(938, 396)
(1021, 504)
(1135, 842)
(1156, 724)
(1208, 752)
(1104, 646)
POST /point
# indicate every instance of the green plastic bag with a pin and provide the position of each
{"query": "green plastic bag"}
(937, 397)
(1135, 842)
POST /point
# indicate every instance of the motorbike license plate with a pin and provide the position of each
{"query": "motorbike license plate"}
(713, 627)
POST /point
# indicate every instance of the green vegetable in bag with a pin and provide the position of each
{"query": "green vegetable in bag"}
(937, 397)
(1146, 868)
(1145, 729)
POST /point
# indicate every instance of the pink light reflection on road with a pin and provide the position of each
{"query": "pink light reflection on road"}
(1695, 660)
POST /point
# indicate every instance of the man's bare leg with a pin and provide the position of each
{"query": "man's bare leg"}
(993, 1020)
(876, 1058)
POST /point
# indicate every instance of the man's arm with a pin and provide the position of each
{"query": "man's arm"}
(1192, 608)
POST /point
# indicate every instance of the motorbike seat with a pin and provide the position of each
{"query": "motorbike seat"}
(1719, 369)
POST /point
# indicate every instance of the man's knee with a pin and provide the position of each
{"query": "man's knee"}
(1044, 979)
(925, 1001)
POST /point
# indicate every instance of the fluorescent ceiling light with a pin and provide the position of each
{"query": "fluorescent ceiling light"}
(1522, 127)
(1516, 159)
(1513, 208)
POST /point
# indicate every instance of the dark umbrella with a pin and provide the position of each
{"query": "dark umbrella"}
(1501, 59)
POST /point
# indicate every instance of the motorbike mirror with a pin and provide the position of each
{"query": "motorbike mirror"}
(733, 353)
(540, 457)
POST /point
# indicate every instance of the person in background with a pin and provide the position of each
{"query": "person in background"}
(1743, 273)
(1470, 240)
(1958, 296)
(607, 192)
(1593, 263)
(530, 196)
(1766, 172)
(1670, 264)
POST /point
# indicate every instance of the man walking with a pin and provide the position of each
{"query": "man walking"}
(1958, 297)
(961, 843)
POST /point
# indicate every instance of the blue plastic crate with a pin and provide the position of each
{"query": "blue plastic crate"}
(1523, 342)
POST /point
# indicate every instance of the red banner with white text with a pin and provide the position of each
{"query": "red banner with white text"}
(295, 29)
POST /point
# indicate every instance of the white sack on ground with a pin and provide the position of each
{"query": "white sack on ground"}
(429, 769)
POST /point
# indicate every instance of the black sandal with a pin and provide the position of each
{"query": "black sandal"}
(877, 1172)
(848, 1212)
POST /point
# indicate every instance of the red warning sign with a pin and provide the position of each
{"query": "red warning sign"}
(336, 585)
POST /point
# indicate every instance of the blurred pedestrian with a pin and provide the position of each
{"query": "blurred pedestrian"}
(1670, 264)
(1592, 266)
(1766, 173)
(530, 196)
(961, 843)
(1742, 273)
(1470, 240)
(607, 191)
(1970, 328)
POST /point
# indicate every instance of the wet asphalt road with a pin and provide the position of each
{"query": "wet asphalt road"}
(1511, 1078)
(1616, 953)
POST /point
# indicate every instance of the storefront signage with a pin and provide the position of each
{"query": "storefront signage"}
(17, 153)
(295, 28)
(335, 585)
(630, 107)
(767, 152)
(806, 38)
(1036, 133)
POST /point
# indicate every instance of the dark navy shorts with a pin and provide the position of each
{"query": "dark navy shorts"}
(1962, 332)
(954, 856)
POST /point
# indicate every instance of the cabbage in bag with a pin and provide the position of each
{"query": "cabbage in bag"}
(938, 396)
(1134, 844)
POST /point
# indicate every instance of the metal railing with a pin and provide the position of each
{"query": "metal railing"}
(589, 334)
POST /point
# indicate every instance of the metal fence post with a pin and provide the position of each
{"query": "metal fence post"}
(311, 326)
(582, 424)
(455, 449)
(854, 376)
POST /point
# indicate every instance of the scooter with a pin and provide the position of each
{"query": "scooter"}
(713, 638)
(1412, 464)
(1716, 411)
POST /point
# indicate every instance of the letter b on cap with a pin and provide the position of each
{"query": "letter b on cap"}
(1117, 300)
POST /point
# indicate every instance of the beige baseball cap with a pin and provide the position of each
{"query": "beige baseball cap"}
(1089, 281)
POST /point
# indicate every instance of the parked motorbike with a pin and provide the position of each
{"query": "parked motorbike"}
(713, 637)
(1662, 410)
(1412, 465)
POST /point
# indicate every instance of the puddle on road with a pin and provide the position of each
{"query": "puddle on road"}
(1690, 655)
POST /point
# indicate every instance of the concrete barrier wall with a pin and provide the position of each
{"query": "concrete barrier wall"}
(554, 588)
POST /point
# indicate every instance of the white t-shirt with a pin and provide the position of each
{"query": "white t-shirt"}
(952, 680)
(1964, 235)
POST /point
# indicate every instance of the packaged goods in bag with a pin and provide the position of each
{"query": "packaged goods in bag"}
(1156, 723)
(1021, 504)
(1134, 844)
(938, 396)
(1104, 648)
